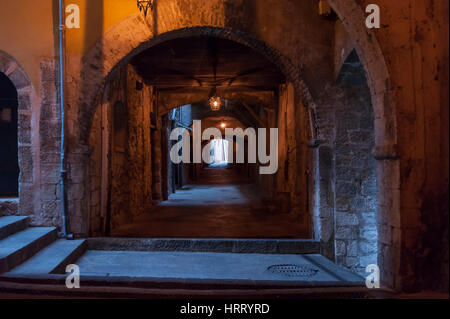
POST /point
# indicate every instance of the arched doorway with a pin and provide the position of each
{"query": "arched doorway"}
(116, 66)
(152, 84)
(17, 100)
(383, 98)
(9, 165)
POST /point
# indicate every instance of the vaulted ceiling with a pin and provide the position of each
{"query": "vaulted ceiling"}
(200, 63)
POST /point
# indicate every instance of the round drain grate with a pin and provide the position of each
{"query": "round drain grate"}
(293, 270)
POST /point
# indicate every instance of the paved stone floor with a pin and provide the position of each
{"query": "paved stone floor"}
(220, 205)
(220, 266)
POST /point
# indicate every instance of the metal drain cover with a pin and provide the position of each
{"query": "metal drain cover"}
(293, 270)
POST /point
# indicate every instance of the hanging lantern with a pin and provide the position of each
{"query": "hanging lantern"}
(144, 5)
(214, 101)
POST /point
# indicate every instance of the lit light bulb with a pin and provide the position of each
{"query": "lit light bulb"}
(223, 125)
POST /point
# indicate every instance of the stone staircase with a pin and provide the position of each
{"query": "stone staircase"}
(34, 250)
(33, 262)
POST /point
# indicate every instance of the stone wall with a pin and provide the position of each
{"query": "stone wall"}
(346, 212)
(9, 207)
(355, 192)
(121, 159)
(138, 163)
(409, 91)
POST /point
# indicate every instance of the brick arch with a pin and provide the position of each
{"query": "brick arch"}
(115, 49)
(17, 75)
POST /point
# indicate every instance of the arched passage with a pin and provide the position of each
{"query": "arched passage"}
(116, 49)
(265, 99)
(21, 164)
(385, 151)
(9, 166)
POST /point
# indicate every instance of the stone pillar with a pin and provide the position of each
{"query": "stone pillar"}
(388, 215)
(165, 158)
(157, 162)
(49, 129)
(78, 201)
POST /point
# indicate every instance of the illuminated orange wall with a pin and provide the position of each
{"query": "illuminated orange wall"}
(28, 28)
(26, 33)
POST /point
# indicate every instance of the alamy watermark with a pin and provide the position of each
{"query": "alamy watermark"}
(373, 279)
(257, 146)
(373, 19)
(73, 277)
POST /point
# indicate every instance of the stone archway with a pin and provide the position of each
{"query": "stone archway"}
(111, 52)
(11, 68)
(114, 50)
(119, 44)
(369, 51)
(385, 152)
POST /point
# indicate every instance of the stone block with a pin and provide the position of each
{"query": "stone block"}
(9, 207)
(367, 248)
(48, 192)
(340, 248)
(50, 173)
(26, 203)
(24, 136)
(358, 204)
(368, 233)
(368, 219)
(359, 137)
(342, 204)
(370, 259)
(346, 219)
(369, 187)
(5, 63)
(19, 79)
(352, 248)
(24, 100)
(26, 164)
(346, 189)
(346, 232)
(48, 71)
(352, 262)
(49, 112)
(50, 158)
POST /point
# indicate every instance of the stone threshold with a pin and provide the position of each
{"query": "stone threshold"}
(223, 245)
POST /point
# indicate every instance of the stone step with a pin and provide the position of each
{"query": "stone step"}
(53, 259)
(12, 224)
(225, 245)
(18, 247)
